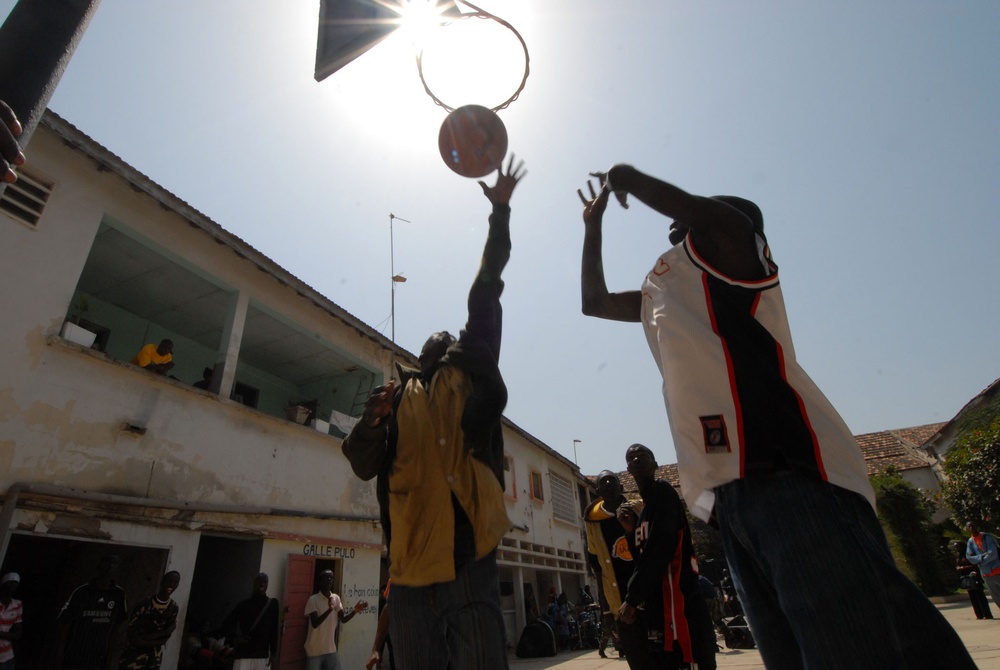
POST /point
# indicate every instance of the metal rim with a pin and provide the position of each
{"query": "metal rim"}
(480, 14)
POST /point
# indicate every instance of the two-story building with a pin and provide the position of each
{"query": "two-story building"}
(230, 463)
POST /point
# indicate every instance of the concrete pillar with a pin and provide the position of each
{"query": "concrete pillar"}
(232, 337)
(520, 618)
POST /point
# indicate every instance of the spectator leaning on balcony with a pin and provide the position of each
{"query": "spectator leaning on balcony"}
(156, 357)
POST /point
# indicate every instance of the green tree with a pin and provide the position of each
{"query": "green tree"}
(972, 490)
(916, 541)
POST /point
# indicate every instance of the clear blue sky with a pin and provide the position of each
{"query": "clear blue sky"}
(868, 132)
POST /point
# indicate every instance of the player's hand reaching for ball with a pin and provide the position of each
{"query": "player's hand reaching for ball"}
(593, 209)
(606, 183)
(506, 181)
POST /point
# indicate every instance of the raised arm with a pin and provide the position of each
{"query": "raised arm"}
(485, 312)
(723, 235)
(597, 300)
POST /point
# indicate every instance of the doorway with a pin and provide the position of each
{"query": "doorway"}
(51, 568)
(223, 576)
(301, 581)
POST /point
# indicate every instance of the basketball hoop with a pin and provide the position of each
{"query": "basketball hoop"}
(479, 14)
(473, 139)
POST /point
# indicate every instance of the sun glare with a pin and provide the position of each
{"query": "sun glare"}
(472, 60)
(418, 20)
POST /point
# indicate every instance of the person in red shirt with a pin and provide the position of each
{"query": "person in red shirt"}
(10, 619)
(983, 551)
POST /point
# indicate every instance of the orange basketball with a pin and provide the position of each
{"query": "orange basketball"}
(473, 141)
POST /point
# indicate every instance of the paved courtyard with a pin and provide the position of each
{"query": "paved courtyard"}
(982, 639)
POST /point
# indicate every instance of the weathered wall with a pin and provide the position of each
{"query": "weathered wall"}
(61, 410)
(535, 515)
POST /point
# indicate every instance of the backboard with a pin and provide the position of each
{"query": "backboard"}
(349, 28)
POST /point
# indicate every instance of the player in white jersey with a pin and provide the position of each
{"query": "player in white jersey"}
(761, 452)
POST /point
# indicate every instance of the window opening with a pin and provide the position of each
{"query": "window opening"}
(246, 394)
(562, 498)
(536, 486)
(509, 480)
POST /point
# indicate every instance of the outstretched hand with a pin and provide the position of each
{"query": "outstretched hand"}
(622, 195)
(10, 150)
(593, 209)
(504, 188)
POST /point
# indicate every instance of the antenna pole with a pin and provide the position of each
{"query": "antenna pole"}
(392, 277)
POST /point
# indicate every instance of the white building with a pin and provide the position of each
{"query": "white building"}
(221, 483)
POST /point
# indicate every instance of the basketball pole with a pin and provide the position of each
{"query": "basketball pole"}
(37, 41)
(393, 277)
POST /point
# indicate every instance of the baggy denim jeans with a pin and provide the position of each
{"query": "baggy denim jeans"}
(818, 583)
(456, 625)
(323, 661)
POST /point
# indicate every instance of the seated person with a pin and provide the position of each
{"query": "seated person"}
(206, 379)
(155, 358)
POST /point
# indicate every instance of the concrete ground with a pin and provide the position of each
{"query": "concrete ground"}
(982, 639)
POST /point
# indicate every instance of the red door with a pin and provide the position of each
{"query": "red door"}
(298, 588)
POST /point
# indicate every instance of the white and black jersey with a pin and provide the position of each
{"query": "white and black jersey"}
(737, 400)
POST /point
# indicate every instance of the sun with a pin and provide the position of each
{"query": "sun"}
(465, 54)
(419, 19)
(458, 56)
